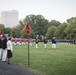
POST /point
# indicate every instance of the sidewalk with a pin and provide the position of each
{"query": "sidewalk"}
(13, 69)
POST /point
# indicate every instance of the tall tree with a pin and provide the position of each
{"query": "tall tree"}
(38, 23)
(54, 23)
(51, 32)
(2, 27)
(7, 30)
(71, 28)
(60, 31)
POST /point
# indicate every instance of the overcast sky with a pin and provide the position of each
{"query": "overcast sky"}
(59, 10)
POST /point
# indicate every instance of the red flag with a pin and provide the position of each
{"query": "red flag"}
(27, 29)
(0, 32)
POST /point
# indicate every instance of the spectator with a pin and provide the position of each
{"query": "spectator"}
(9, 50)
(4, 47)
(0, 46)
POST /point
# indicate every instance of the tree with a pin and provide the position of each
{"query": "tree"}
(7, 31)
(16, 33)
(21, 25)
(51, 32)
(38, 23)
(54, 23)
(60, 31)
(71, 20)
(3, 28)
(71, 28)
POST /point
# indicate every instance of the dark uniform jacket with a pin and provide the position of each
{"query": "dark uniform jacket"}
(36, 41)
(0, 43)
(4, 43)
(53, 41)
(45, 41)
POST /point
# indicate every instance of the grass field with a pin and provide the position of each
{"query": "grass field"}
(61, 61)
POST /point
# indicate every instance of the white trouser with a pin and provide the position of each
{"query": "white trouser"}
(0, 52)
(36, 45)
(54, 46)
(44, 45)
(4, 55)
(30, 43)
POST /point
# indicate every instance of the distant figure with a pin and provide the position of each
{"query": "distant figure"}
(4, 47)
(45, 42)
(53, 43)
(31, 42)
(0, 46)
(9, 50)
(36, 41)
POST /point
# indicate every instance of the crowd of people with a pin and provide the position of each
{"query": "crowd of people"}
(23, 41)
(6, 48)
(6, 45)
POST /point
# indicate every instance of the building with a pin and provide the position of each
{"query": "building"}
(9, 18)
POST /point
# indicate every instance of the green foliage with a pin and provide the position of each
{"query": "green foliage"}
(51, 32)
(16, 33)
(42, 27)
(61, 61)
(7, 31)
(71, 20)
(71, 29)
(54, 23)
(38, 23)
(60, 31)
(2, 27)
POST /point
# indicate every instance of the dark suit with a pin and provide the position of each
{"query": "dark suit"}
(4, 47)
(0, 48)
(45, 41)
(53, 43)
(4, 43)
(0, 43)
(37, 40)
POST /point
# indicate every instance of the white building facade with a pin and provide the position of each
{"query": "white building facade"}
(9, 18)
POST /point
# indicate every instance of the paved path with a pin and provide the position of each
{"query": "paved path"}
(13, 69)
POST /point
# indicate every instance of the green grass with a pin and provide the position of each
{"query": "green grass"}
(61, 61)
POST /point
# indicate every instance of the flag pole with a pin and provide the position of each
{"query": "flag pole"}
(27, 31)
(28, 54)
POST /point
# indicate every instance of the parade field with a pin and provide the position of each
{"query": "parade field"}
(61, 61)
